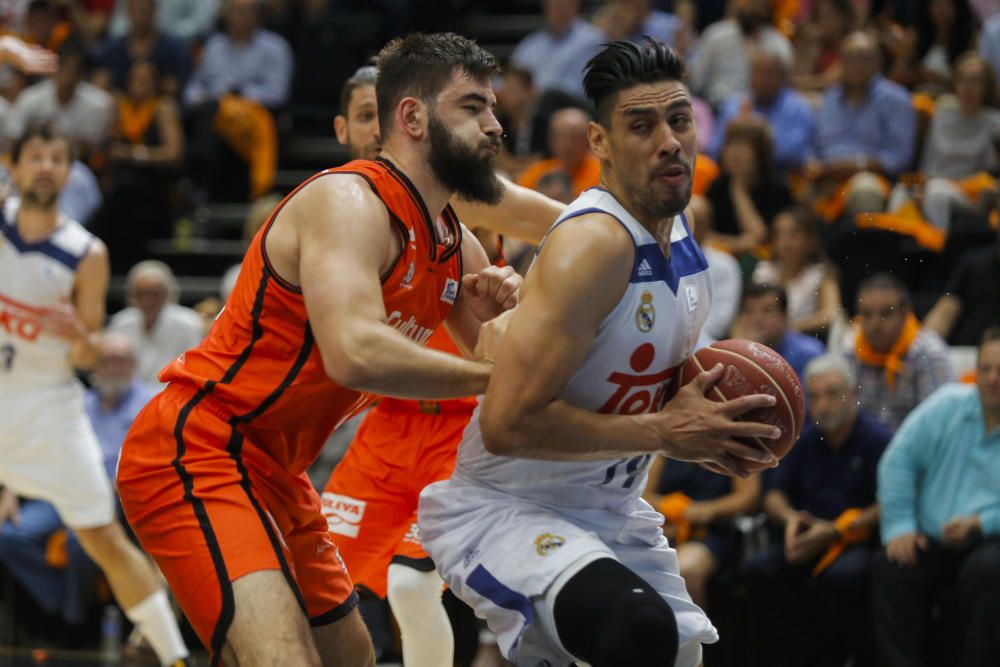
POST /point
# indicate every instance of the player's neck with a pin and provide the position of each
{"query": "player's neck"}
(659, 227)
(36, 223)
(415, 167)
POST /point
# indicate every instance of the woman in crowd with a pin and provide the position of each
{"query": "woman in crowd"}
(797, 265)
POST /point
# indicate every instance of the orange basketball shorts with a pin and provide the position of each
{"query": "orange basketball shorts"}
(210, 507)
(370, 501)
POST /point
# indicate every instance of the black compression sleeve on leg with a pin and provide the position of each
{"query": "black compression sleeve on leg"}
(609, 616)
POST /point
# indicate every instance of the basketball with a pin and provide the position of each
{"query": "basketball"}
(754, 368)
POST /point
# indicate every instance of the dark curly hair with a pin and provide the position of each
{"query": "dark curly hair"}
(621, 65)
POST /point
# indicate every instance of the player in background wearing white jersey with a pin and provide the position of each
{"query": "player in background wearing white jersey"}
(542, 528)
(413, 586)
(53, 283)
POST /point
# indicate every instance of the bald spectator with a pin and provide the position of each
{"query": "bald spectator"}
(721, 66)
(865, 130)
(144, 41)
(78, 108)
(810, 586)
(570, 150)
(556, 54)
(788, 114)
(159, 328)
(898, 362)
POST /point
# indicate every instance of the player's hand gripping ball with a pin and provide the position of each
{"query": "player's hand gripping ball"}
(754, 368)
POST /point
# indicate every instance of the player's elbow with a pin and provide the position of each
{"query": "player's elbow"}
(348, 372)
(502, 435)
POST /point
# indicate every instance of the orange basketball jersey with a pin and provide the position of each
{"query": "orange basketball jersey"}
(259, 365)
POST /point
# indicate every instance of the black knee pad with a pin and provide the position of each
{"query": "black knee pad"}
(609, 616)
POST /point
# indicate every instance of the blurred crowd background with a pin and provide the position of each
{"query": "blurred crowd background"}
(845, 196)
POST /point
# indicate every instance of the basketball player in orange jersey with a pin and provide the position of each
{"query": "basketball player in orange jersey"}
(401, 446)
(337, 293)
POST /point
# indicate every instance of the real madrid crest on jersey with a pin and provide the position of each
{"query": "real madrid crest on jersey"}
(645, 315)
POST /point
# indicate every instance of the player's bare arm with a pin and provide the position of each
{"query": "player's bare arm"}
(79, 321)
(335, 240)
(487, 291)
(579, 277)
(522, 213)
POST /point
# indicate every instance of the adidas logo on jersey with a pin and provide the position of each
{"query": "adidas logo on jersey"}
(645, 270)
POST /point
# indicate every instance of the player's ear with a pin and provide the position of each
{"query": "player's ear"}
(412, 117)
(340, 129)
(598, 137)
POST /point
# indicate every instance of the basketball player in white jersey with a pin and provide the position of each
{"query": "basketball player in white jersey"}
(53, 282)
(542, 528)
(413, 587)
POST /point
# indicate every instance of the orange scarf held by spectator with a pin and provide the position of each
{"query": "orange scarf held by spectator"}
(847, 533)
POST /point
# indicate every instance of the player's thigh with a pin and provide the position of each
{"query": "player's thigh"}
(268, 627)
(367, 519)
(345, 642)
(61, 462)
(326, 588)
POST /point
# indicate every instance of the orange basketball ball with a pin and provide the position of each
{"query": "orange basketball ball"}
(754, 368)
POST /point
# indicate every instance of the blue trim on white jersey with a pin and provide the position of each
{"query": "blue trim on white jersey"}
(487, 586)
(585, 211)
(651, 266)
(46, 247)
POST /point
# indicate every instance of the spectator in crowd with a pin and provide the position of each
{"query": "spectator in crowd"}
(817, 45)
(721, 67)
(971, 301)
(698, 507)
(81, 198)
(147, 146)
(960, 147)
(790, 118)
(810, 587)
(246, 59)
(36, 547)
(797, 265)
(989, 41)
(556, 54)
(144, 41)
(187, 20)
(898, 362)
(78, 108)
(925, 55)
(570, 150)
(764, 318)
(557, 185)
(44, 26)
(159, 328)
(727, 280)
(244, 76)
(940, 500)
(865, 129)
(517, 106)
(634, 20)
(749, 192)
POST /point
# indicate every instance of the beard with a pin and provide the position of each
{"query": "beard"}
(462, 169)
(34, 199)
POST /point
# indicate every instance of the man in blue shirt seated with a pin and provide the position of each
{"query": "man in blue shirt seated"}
(764, 318)
(810, 586)
(939, 489)
(788, 114)
(61, 581)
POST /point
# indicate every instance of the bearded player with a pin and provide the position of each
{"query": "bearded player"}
(402, 446)
(336, 296)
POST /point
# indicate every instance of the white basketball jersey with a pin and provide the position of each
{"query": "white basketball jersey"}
(33, 277)
(628, 370)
